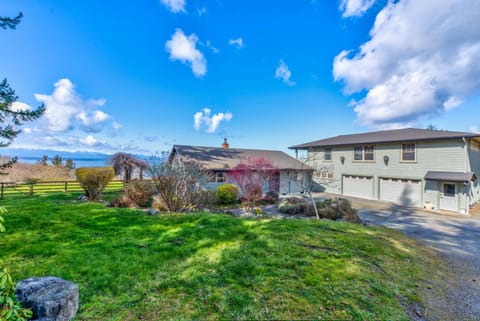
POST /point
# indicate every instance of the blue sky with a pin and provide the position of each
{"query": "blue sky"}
(141, 76)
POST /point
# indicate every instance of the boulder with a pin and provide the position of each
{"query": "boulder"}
(49, 297)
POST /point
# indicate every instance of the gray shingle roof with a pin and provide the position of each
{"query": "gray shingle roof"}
(450, 176)
(214, 158)
(397, 135)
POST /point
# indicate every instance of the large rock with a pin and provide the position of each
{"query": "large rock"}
(49, 297)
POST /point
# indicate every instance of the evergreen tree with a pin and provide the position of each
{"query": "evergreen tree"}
(57, 160)
(11, 118)
(69, 164)
(43, 161)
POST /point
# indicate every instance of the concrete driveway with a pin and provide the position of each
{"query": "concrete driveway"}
(455, 238)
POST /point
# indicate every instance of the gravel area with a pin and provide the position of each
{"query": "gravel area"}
(456, 239)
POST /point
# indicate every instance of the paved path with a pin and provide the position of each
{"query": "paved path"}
(457, 240)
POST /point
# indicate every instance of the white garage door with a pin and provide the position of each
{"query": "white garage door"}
(405, 192)
(358, 186)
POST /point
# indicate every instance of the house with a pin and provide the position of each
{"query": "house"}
(412, 167)
(221, 160)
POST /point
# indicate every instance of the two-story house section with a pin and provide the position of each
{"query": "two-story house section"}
(412, 167)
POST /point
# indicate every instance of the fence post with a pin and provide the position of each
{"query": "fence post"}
(31, 189)
(1, 192)
(66, 186)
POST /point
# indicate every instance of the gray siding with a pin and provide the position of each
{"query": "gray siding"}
(474, 163)
(448, 155)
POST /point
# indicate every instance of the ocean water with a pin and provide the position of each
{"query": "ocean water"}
(79, 162)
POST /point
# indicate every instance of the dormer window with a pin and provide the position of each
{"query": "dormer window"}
(409, 152)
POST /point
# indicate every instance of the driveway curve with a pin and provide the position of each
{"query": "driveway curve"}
(457, 241)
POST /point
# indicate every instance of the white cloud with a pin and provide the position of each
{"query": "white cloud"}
(209, 45)
(201, 11)
(421, 60)
(474, 129)
(355, 8)
(237, 43)
(210, 122)
(90, 140)
(116, 125)
(19, 106)
(174, 6)
(61, 106)
(64, 106)
(284, 73)
(183, 48)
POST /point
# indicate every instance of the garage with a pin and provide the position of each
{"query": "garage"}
(406, 192)
(358, 186)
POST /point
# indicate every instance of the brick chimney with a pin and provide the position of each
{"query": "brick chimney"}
(225, 144)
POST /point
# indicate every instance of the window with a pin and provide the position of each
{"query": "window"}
(364, 153)
(408, 153)
(218, 177)
(449, 189)
(327, 154)
(358, 153)
(368, 152)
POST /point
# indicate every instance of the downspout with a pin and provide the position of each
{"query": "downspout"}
(467, 196)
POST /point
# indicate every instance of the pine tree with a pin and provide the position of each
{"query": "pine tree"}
(11, 118)
(57, 160)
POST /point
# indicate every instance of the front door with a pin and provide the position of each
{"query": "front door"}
(448, 197)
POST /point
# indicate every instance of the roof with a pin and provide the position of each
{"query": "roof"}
(397, 135)
(450, 176)
(215, 158)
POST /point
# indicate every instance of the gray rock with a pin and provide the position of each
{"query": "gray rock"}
(152, 211)
(49, 297)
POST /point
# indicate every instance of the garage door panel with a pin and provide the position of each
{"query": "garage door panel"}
(358, 186)
(401, 191)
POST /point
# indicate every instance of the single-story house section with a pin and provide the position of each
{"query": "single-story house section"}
(413, 167)
(221, 160)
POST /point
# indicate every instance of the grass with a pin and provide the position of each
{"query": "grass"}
(132, 266)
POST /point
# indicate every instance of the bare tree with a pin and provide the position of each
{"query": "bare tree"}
(178, 182)
(304, 179)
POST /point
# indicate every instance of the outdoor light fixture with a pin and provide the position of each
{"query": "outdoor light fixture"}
(386, 159)
(342, 159)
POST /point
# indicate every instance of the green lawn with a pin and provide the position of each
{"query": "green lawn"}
(131, 266)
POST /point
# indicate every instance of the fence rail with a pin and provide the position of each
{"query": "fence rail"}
(42, 187)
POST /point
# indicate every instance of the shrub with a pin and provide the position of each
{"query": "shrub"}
(272, 197)
(139, 192)
(257, 211)
(226, 194)
(159, 204)
(94, 180)
(335, 209)
(123, 201)
(292, 205)
(206, 199)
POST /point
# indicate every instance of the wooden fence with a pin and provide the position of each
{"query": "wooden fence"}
(42, 187)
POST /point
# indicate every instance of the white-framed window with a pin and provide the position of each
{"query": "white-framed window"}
(218, 177)
(409, 152)
(327, 154)
(364, 153)
(323, 175)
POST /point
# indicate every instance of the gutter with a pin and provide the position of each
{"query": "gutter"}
(465, 162)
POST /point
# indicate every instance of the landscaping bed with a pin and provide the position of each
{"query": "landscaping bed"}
(132, 266)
